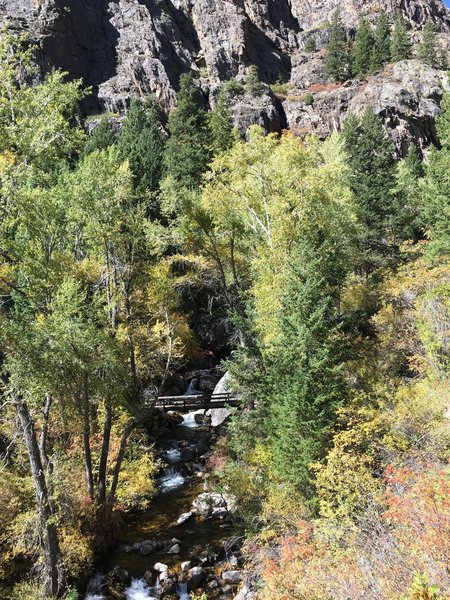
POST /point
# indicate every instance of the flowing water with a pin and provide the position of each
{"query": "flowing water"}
(171, 480)
(182, 592)
(159, 522)
(173, 456)
(140, 590)
(94, 589)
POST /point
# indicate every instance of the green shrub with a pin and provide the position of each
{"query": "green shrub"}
(309, 99)
(253, 85)
(279, 88)
(232, 86)
(105, 115)
(310, 45)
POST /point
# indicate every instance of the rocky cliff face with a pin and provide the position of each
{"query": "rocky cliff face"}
(406, 96)
(125, 48)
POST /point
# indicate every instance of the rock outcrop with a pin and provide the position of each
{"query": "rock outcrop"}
(127, 48)
(406, 95)
(220, 415)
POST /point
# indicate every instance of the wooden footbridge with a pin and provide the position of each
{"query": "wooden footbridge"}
(196, 402)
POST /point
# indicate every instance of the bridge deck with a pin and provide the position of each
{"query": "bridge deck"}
(196, 402)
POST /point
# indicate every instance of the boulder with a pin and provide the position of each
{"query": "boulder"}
(233, 560)
(164, 576)
(186, 565)
(208, 379)
(219, 415)
(196, 576)
(170, 419)
(147, 547)
(206, 503)
(177, 381)
(160, 567)
(226, 589)
(133, 547)
(120, 575)
(202, 419)
(244, 593)
(232, 577)
(184, 517)
(175, 549)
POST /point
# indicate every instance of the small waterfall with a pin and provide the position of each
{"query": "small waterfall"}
(182, 591)
(189, 419)
(192, 390)
(171, 479)
(95, 587)
(139, 590)
(173, 456)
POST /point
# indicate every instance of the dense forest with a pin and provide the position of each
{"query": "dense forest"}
(329, 259)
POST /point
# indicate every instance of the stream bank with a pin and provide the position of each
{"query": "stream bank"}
(186, 539)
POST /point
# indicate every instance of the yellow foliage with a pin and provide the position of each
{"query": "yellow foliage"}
(347, 487)
(415, 418)
(422, 590)
(137, 481)
(15, 494)
(88, 270)
(281, 512)
(263, 195)
(415, 314)
(346, 484)
(77, 550)
(7, 159)
(358, 294)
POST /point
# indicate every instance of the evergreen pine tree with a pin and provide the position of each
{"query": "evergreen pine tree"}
(414, 163)
(436, 201)
(337, 58)
(428, 49)
(400, 42)
(102, 137)
(221, 125)
(443, 122)
(363, 49)
(187, 152)
(407, 219)
(443, 61)
(141, 142)
(310, 45)
(381, 53)
(253, 85)
(372, 181)
(304, 375)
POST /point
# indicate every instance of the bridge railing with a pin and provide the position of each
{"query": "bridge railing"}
(192, 401)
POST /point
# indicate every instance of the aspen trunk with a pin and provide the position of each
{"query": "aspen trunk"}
(103, 467)
(54, 575)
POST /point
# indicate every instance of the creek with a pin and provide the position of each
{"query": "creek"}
(200, 540)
